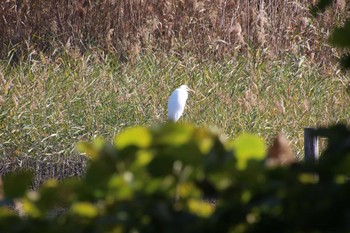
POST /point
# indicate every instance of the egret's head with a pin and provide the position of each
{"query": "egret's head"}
(185, 87)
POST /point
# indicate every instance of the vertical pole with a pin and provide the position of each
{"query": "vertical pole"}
(310, 145)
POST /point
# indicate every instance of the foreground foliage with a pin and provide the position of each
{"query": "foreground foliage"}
(163, 179)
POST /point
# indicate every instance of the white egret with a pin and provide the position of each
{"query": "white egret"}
(177, 102)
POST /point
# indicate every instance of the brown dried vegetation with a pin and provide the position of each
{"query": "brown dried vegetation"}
(280, 152)
(205, 28)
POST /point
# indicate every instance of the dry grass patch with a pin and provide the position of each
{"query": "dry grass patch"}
(216, 29)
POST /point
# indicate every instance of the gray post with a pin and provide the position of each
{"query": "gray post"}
(310, 145)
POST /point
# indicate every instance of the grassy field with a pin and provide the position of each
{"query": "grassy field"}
(94, 68)
(50, 105)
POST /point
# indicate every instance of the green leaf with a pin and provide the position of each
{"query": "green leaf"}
(341, 36)
(87, 148)
(143, 158)
(161, 166)
(84, 209)
(205, 139)
(98, 174)
(9, 219)
(173, 134)
(138, 136)
(120, 186)
(16, 184)
(31, 209)
(201, 208)
(247, 147)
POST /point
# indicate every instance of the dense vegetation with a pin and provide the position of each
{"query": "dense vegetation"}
(74, 70)
(206, 29)
(50, 106)
(179, 178)
(77, 70)
(340, 36)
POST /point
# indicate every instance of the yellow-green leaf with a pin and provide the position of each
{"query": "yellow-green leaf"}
(174, 134)
(246, 196)
(188, 189)
(247, 147)
(200, 208)
(31, 209)
(307, 178)
(143, 158)
(92, 149)
(138, 136)
(87, 148)
(84, 209)
(204, 139)
(120, 186)
(6, 212)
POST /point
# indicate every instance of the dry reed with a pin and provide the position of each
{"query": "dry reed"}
(208, 29)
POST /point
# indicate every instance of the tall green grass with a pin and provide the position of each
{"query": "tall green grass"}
(51, 104)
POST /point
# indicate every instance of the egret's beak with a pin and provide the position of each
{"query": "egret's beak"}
(190, 90)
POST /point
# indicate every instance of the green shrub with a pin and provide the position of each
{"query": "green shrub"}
(180, 178)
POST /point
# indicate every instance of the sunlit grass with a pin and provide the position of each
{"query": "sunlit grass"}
(50, 105)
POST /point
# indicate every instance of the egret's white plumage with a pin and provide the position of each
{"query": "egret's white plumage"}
(177, 102)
